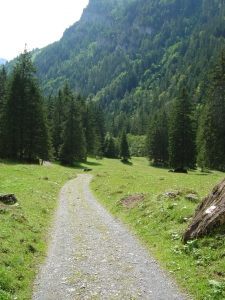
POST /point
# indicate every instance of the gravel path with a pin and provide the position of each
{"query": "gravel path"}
(93, 256)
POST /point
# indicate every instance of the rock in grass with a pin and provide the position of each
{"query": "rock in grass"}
(209, 214)
(192, 197)
(8, 199)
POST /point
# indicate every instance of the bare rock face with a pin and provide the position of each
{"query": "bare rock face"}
(209, 214)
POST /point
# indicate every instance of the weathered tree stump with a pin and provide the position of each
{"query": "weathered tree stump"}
(209, 214)
(8, 199)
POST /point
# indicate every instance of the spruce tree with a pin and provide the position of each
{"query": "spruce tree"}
(110, 150)
(93, 139)
(73, 147)
(124, 148)
(211, 132)
(3, 84)
(157, 139)
(182, 146)
(58, 119)
(26, 131)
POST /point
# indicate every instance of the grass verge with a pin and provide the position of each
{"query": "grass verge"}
(23, 227)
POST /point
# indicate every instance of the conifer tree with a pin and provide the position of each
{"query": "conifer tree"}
(73, 147)
(182, 146)
(211, 133)
(110, 150)
(58, 119)
(157, 139)
(26, 132)
(93, 139)
(100, 125)
(124, 148)
(3, 81)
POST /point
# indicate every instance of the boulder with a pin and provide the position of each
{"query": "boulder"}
(209, 214)
(192, 197)
(8, 199)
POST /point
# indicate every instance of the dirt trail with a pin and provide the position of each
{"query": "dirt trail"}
(93, 256)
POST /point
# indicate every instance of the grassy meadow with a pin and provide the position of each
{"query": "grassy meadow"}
(158, 220)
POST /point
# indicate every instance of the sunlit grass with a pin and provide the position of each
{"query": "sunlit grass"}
(23, 229)
(160, 220)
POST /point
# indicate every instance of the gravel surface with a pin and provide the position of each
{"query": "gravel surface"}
(93, 256)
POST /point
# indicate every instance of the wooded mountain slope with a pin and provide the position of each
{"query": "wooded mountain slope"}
(134, 56)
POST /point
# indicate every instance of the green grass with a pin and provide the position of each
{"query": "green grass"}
(159, 221)
(23, 228)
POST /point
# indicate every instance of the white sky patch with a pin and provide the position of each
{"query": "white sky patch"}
(36, 23)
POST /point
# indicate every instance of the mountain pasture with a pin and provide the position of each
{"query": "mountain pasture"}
(159, 218)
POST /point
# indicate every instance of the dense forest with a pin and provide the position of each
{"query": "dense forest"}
(153, 69)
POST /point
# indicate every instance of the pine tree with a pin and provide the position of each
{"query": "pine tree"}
(3, 84)
(110, 150)
(26, 132)
(211, 133)
(100, 125)
(124, 148)
(157, 139)
(93, 139)
(182, 147)
(58, 119)
(73, 147)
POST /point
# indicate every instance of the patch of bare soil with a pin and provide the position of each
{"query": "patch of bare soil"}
(133, 200)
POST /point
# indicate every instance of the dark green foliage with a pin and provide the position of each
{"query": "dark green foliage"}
(157, 139)
(211, 133)
(182, 148)
(100, 125)
(26, 135)
(135, 56)
(58, 119)
(93, 138)
(123, 147)
(3, 80)
(110, 147)
(73, 147)
(131, 58)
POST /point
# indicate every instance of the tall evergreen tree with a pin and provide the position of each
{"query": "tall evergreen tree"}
(3, 83)
(73, 147)
(93, 139)
(100, 125)
(110, 150)
(123, 147)
(157, 139)
(211, 133)
(182, 146)
(58, 119)
(26, 132)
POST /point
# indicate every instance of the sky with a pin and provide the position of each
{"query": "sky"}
(35, 23)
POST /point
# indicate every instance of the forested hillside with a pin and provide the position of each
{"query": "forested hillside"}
(135, 60)
(133, 56)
